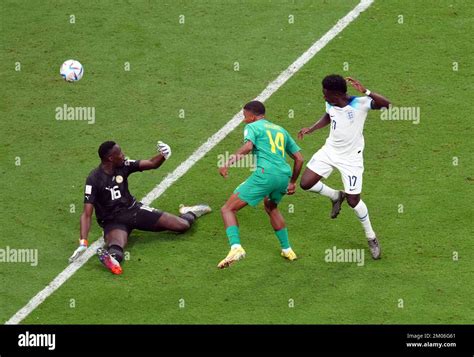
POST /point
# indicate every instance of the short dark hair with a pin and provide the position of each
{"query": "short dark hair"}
(256, 107)
(104, 149)
(335, 82)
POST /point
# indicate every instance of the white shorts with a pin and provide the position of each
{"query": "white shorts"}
(322, 163)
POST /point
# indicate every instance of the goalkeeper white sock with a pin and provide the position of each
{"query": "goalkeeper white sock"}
(325, 190)
(362, 213)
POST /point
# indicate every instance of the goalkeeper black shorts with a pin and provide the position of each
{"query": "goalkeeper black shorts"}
(139, 217)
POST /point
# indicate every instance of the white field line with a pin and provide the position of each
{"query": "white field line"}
(195, 157)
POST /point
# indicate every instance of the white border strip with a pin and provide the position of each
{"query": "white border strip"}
(195, 157)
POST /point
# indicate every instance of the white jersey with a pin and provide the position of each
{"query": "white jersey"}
(346, 139)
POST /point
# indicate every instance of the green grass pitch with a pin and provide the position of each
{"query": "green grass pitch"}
(418, 180)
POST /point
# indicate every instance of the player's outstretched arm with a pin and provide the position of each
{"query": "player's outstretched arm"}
(239, 154)
(153, 163)
(297, 166)
(379, 101)
(164, 152)
(86, 218)
(321, 123)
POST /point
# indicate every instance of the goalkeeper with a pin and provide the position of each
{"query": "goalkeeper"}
(118, 212)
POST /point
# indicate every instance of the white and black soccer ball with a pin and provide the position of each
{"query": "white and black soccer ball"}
(71, 71)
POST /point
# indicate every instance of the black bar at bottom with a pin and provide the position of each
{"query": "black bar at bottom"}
(227, 339)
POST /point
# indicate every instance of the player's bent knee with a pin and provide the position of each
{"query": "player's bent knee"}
(269, 210)
(269, 206)
(304, 185)
(309, 179)
(226, 209)
(353, 200)
(117, 237)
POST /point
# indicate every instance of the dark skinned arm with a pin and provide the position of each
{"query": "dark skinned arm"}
(86, 218)
(152, 163)
(379, 101)
(239, 154)
(321, 123)
(297, 166)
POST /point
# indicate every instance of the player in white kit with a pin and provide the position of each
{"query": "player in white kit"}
(343, 149)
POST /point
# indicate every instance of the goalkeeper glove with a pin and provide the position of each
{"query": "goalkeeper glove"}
(163, 149)
(78, 252)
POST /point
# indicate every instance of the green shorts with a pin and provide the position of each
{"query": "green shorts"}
(260, 185)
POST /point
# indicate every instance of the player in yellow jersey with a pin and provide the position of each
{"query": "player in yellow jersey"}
(271, 180)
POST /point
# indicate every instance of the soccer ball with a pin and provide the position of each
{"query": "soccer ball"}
(71, 71)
